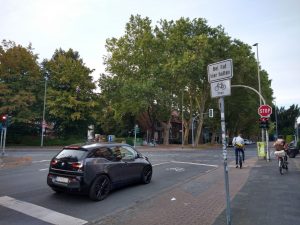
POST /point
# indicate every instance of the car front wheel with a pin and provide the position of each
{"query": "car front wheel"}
(146, 175)
(100, 188)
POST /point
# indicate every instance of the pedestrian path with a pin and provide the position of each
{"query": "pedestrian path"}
(267, 197)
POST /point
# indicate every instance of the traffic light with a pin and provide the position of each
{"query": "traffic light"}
(4, 120)
(264, 123)
(211, 113)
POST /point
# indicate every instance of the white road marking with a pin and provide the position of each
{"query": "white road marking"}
(160, 163)
(43, 169)
(198, 164)
(39, 212)
(45, 160)
(177, 169)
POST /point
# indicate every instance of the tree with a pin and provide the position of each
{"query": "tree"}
(132, 86)
(286, 119)
(153, 72)
(21, 87)
(71, 101)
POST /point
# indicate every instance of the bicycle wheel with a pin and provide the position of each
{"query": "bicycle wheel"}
(280, 165)
(286, 166)
(240, 161)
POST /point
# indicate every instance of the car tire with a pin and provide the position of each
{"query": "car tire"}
(292, 155)
(100, 188)
(146, 175)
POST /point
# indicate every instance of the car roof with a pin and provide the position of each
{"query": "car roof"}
(93, 145)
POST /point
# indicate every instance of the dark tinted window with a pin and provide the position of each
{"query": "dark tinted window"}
(102, 153)
(71, 154)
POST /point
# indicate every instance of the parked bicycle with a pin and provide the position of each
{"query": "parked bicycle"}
(282, 161)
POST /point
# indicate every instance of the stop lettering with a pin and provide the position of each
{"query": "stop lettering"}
(264, 110)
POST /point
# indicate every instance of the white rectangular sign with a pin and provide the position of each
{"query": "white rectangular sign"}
(220, 88)
(220, 71)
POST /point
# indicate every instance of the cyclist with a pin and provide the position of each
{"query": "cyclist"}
(238, 143)
(280, 145)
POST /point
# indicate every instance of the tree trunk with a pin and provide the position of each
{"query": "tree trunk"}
(212, 141)
(201, 110)
(166, 131)
(186, 132)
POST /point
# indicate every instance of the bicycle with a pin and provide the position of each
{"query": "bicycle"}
(282, 161)
(240, 158)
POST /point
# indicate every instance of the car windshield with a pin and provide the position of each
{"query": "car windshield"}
(71, 154)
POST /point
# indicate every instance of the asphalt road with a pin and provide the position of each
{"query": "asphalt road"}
(25, 197)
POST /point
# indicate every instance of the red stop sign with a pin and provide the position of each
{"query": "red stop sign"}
(264, 110)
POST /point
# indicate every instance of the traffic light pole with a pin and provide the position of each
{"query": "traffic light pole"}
(262, 130)
(3, 139)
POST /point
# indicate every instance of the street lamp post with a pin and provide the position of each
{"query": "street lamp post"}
(276, 120)
(44, 109)
(259, 87)
(182, 120)
(258, 73)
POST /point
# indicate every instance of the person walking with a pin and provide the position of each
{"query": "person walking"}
(238, 143)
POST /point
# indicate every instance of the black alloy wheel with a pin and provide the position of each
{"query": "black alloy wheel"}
(146, 175)
(100, 188)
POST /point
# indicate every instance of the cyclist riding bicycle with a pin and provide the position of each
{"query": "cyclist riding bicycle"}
(280, 145)
(281, 153)
(238, 143)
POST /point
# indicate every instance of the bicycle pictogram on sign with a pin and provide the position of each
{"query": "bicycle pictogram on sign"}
(220, 86)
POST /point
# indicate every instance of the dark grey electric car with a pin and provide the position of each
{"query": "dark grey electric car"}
(97, 168)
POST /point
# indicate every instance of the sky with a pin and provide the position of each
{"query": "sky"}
(84, 26)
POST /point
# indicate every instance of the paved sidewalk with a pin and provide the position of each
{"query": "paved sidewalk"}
(267, 198)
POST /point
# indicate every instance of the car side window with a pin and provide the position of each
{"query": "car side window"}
(116, 152)
(102, 153)
(128, 153)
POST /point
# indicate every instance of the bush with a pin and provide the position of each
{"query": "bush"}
(36, 141)
(120, 140)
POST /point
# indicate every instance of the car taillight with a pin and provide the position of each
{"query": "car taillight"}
(54, 162)
(77, 166)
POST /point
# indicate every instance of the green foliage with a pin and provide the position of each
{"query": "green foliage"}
(20, 83)
(151, 72)
(71, 102)
(286, 119)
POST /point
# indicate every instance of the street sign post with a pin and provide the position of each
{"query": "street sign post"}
(264, 110)
(219, 77)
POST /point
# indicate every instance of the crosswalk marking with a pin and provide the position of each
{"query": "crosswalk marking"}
(39, 212)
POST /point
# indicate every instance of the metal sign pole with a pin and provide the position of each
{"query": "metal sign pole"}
(267, 143)
(3, 140)
(135, 129)
(228, 213)
(2, 134)
(219, 75)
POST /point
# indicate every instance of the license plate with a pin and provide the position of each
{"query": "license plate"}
(62, 179)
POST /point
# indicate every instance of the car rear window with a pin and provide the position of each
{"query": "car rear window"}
(72, 155)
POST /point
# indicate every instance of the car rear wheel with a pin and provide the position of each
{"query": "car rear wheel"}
(100, 188)
(146, 175)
